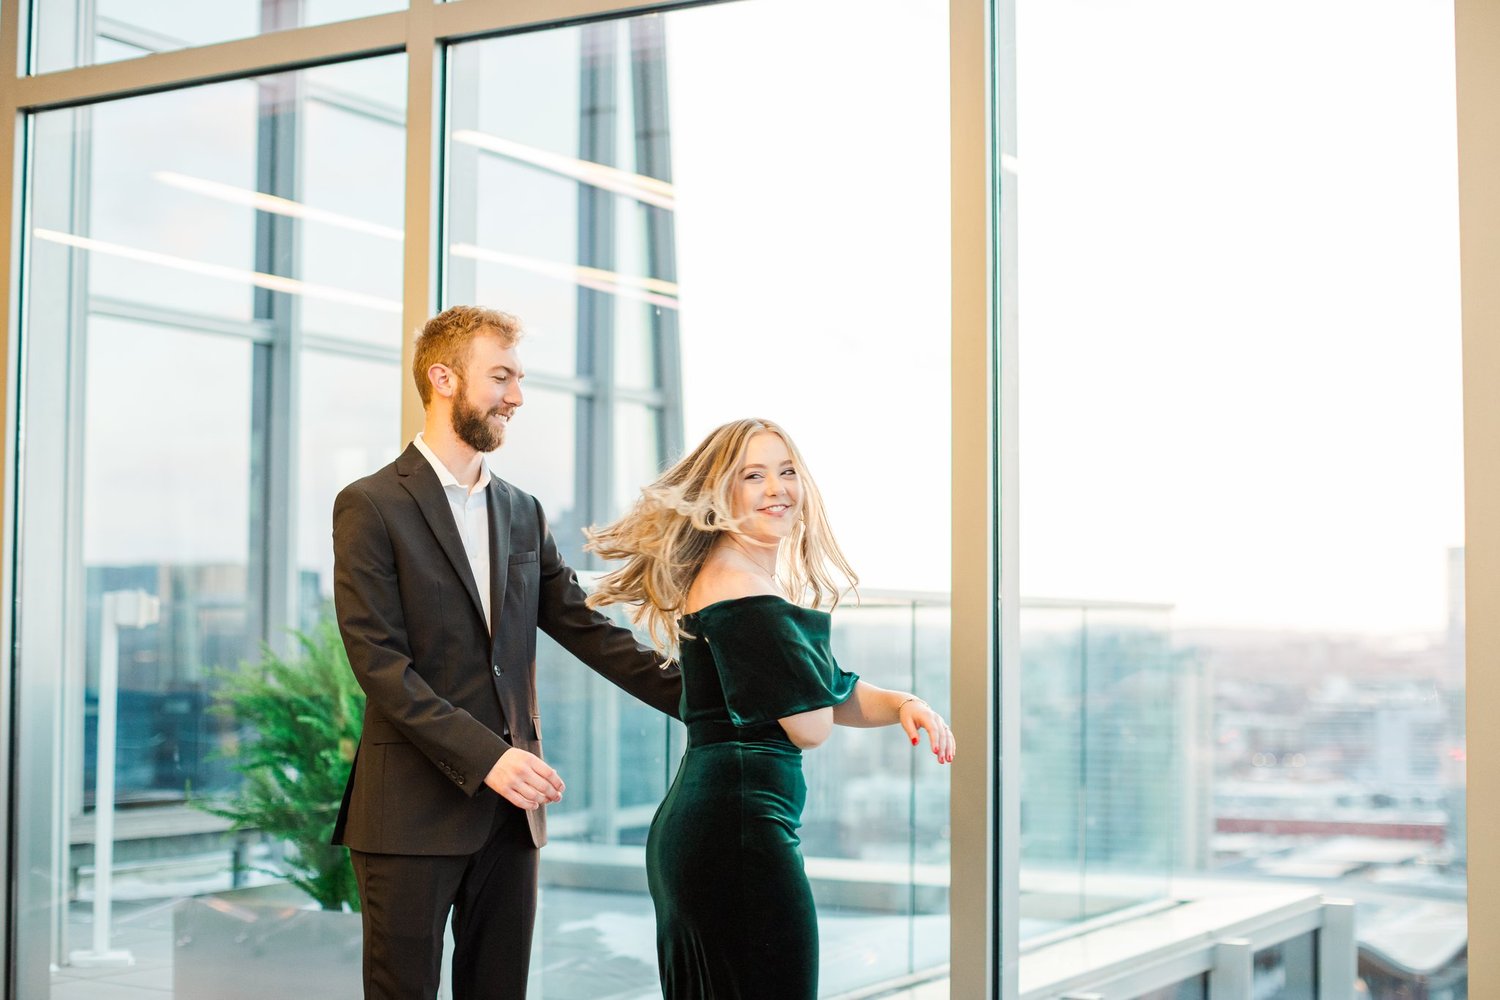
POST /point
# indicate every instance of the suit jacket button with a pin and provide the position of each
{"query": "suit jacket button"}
(498, 671)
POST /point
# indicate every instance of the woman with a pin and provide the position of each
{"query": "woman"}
(719, 554)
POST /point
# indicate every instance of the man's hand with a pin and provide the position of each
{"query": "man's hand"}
(524, 780)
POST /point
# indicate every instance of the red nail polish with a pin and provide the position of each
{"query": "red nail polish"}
(913, 741)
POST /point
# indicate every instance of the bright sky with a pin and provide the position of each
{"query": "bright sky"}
(1238, 273)
(1238, 292)
(812, 238)
(1239, 308)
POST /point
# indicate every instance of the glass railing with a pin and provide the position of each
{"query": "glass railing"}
(1106, 744)
(874, 833)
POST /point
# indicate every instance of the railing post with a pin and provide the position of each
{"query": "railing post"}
(121, 609)
(1233, 970)
(1338, 951)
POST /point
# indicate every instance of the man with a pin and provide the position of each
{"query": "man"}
(442, 575)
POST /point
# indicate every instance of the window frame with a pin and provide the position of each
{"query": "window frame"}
(982, 942)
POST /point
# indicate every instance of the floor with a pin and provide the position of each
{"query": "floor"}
(591, 946)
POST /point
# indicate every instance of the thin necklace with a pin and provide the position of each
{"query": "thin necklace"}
(771, 576)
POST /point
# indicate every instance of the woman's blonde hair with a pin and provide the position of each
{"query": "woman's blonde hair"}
(666, 536)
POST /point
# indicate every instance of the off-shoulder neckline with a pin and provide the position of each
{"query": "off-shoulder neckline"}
(752, 597)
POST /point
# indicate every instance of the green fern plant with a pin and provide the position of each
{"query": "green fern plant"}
(302, 716)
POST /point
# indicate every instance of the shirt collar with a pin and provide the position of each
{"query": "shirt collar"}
(445, 475)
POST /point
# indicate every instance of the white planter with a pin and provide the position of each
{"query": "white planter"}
(250, 944)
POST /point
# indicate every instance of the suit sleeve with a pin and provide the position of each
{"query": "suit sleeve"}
(605, 647)
(367, 601)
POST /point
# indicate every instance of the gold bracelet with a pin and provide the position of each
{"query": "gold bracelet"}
(903, 705)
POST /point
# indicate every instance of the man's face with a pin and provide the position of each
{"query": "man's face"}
(489, 391)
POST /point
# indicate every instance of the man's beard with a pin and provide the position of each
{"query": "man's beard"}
(472, 425)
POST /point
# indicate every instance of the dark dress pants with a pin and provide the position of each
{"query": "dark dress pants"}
(405, 901)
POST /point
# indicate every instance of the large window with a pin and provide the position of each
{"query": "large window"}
(213, 342)
(1215, 307)
(687, 243)
(1241, 471)
(212, 350)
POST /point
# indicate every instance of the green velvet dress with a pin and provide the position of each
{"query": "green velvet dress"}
(734, 912)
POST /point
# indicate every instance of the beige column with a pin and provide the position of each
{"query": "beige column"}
(1477, 31)
(983, 950)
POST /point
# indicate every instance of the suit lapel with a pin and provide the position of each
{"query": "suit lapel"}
(499, 507)
(422, 483)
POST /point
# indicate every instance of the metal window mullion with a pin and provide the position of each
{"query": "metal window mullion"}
(598, 51)
(86, 27)
(461, 176)
(655, 398)
(70, 35)
(11, 147)
(653, 158)
(1476, 26)
(424, 22)
(1000, 81)
(74, 572)
(985, 803)
(68, 803)
(461, 20)
(108, 306)
(259, 55)
(272, 551)
(340, 347)
(595, 334)
(133, 35)
(579, 385)
(45, 639)
(150, 42)
(421, 254)
(278, 251)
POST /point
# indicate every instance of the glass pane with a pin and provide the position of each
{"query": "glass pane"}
(191, 553)
(569, 223)
(1188, 989)
(212, 349)
(688, 242)
(538, 211)
(348, 421)
(636, 344)
(637, 450)
(205, 221)
(73, 33)
(351, 239)
(1240, 428)
(541, 455)
(166, 221)
(1288, 971)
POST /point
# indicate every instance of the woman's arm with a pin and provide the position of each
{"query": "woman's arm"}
(871, 706)
(808, 729)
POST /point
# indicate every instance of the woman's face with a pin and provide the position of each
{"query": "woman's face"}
(767, 494)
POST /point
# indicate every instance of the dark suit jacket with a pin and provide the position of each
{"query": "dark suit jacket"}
(441, 689)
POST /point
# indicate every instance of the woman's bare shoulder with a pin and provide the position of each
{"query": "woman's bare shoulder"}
(723, 580)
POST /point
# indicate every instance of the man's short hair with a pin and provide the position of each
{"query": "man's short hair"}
(447, 337)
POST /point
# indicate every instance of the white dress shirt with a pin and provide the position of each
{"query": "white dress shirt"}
(471, 514)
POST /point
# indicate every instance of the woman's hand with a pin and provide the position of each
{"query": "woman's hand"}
(915, 714)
